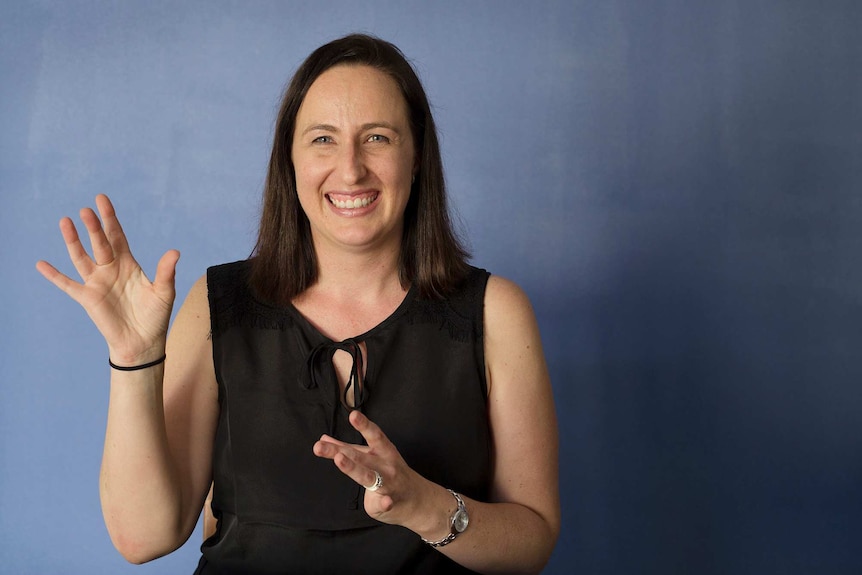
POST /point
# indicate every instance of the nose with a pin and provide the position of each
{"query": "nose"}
(351, 163)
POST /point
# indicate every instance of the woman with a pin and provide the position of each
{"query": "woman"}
(361, 399)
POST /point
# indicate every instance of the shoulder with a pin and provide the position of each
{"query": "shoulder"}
(506, 303)
(226, 286)
(194, 313)
(189, 347)
(228, 273)
(513, 348)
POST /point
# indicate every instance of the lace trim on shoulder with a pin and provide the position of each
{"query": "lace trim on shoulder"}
(460, 315)
(232, 303)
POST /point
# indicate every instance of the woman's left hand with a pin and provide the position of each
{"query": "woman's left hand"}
(401, 488)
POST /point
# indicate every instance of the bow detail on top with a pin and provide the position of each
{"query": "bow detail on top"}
(321, 355)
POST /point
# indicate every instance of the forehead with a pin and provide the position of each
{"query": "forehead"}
(349, 93)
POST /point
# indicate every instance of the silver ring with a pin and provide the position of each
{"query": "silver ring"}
(378, 483)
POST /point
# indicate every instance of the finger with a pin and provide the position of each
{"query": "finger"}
(103, 253)
(372, 433)
(166, 271)
(361, 473)
(337, 442)
(348, 457)
(345, 455)
(357, 466)
(58, 278)
(77, 254)
(329, 447)
(113, 230)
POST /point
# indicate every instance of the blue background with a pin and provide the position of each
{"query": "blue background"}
(675, 183)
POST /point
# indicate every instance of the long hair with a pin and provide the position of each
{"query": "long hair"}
(284, 263)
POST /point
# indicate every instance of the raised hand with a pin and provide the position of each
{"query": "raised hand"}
(131, 312)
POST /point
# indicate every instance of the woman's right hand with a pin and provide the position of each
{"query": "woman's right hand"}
(131, 312)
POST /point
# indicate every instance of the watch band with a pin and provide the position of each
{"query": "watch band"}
(453, 531)
(443, 542)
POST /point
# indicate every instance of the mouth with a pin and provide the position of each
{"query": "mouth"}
(352, 202)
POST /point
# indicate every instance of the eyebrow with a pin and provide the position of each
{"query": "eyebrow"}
(364, 127)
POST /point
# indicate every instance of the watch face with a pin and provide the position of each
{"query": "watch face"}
(460, 521)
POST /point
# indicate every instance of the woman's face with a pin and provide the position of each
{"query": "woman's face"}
(354, 159)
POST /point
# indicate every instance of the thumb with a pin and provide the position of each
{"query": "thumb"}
(166, 272)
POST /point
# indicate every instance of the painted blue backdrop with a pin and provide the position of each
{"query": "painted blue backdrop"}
(675, 183)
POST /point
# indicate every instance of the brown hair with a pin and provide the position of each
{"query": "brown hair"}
(284, 263)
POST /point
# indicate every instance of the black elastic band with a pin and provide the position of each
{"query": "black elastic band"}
(137, 367)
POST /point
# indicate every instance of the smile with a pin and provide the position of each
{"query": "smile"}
(351, 203)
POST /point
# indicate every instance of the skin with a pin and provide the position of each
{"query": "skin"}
(161, 421)
(352, 140)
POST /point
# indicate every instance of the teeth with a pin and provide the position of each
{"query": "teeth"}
(351, 204)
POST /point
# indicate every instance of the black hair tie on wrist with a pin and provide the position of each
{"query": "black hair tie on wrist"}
(137, 367)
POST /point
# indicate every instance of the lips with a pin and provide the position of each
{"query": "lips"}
(352, 202)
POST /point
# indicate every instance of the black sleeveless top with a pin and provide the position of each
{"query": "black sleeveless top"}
(281, 509)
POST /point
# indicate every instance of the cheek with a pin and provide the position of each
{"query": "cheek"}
(308, 175)
(397, 170)
(306, 190)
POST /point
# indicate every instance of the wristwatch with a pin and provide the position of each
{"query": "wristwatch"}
(457, 523)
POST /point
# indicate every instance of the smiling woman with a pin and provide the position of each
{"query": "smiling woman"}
(354, 160)
(359, 397)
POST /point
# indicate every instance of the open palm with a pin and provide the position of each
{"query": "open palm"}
(131, 312)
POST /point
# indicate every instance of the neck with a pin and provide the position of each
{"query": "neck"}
(360, 276)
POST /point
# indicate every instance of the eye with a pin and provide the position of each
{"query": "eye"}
(378, 138)
(322, 140)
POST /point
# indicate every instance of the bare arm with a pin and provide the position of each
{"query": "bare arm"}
(156, 450)
(517, 530)
(158, 444)
(524, 522)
